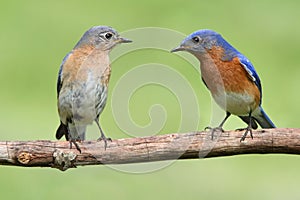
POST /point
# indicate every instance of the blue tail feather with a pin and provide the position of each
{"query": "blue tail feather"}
(263, 120)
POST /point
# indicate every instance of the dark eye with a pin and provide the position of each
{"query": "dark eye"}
(196, 39)
(108, 35)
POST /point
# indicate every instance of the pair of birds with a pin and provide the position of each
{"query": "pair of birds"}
(84, 77)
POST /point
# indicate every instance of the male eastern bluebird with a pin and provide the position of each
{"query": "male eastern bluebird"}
(82, 83)
(230, 77)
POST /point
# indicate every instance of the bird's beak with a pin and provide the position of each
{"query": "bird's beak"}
(124, 40)
(179, 48)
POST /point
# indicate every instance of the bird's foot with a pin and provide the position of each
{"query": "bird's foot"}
(216, 128)
(73, 141)
(213, 130)
(105, 139)
(240, 129)
(248, 130)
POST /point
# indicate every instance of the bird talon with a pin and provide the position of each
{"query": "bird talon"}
(207, 128)
(243, 138)
(248, 129)
(104, 140)
(218, 129)
(240, 129)
(76, 145)
(213, 130)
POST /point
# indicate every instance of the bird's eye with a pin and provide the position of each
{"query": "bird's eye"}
(196, 39)
(108, 35)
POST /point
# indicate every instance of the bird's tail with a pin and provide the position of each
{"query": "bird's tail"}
(263, 120)
(62, 131)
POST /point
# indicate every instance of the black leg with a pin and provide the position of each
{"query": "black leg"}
(224, 120)
(75, 143)
(248, 129)
(218, 128)
(102, 137)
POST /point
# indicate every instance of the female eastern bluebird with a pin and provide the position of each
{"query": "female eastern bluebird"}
(230, 77)
(82, 83)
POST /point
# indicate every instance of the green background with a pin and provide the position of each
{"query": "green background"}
(36, 35)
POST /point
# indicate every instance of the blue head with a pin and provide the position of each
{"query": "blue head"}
(201, 41)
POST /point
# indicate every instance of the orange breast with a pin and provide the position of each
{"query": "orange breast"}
(83, 61)
(227, 75)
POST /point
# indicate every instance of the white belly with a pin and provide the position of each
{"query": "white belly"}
(236, 103)
(80, 102)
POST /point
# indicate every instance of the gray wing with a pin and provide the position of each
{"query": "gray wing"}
(101, 98)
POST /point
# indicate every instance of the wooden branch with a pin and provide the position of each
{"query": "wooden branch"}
(57, 154)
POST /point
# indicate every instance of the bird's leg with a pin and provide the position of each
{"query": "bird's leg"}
(75, 143)
(218, 128)
(71, 140)
(248, 129)
(102, 137)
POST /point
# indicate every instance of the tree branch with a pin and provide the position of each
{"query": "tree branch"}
(57, 154)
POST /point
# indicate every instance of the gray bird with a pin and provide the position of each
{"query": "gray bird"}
(83, 82)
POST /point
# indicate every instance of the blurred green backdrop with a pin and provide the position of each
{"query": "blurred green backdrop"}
(36, 35)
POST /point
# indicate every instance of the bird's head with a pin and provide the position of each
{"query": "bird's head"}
(101, 37)
(199, 42)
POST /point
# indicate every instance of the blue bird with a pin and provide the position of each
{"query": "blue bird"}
(230, 77)
(83, 83)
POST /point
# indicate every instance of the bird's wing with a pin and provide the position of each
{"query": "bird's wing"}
(251, 71)
(204, 82)
(59, 79)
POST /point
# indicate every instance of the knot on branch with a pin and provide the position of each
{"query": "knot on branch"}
(24, 158)
(64, 160)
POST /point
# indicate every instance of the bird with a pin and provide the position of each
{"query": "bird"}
(82, 83)
(230, 77)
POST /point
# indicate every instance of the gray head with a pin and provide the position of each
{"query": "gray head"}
(101, 37)
(201, 41)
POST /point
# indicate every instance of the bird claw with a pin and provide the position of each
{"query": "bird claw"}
(72, 141)
(248, 129)
(213, 130)
(105, 139)
(216, 128)
(208, 128)
(240, 129)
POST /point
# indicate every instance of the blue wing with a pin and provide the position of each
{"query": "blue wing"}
(59, 81)
(251, 71)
